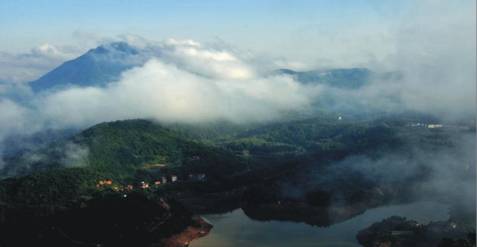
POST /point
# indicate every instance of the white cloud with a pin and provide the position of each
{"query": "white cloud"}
(435, 51)
(28, 66)
(433, 48)
(168, 93)
(14, 117)
(215, 63)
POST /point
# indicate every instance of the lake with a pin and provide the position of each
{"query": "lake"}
(235, 229)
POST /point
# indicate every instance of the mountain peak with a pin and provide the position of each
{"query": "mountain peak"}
(119, 46)
(96, 67)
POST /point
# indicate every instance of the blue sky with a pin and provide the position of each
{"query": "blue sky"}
(251, 23)
(317, 33)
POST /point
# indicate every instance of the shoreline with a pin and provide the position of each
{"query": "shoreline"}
(199, 228)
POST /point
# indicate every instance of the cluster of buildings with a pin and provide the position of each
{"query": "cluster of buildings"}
(424, 125)
(163, 180)
(433, 126)
(108, 183)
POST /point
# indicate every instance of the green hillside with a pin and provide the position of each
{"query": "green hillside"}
(120, 148)
(135, 150)
(324, 135)
(125, 151)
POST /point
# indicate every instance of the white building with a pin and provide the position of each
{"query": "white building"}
(434, 126)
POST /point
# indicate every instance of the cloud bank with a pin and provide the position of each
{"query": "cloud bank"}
(182, 81)
(167, 93)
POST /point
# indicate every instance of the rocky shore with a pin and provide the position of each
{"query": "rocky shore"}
(199, 228)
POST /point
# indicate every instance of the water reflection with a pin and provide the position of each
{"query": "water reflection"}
(236, 229)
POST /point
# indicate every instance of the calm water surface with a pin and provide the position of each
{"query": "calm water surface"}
(235, 229)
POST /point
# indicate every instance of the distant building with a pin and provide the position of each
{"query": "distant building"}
(154, 166)
(197, 177)
(434, 126)
(424, 125)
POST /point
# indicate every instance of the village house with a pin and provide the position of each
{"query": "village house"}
(105, 182)
(144, 185)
